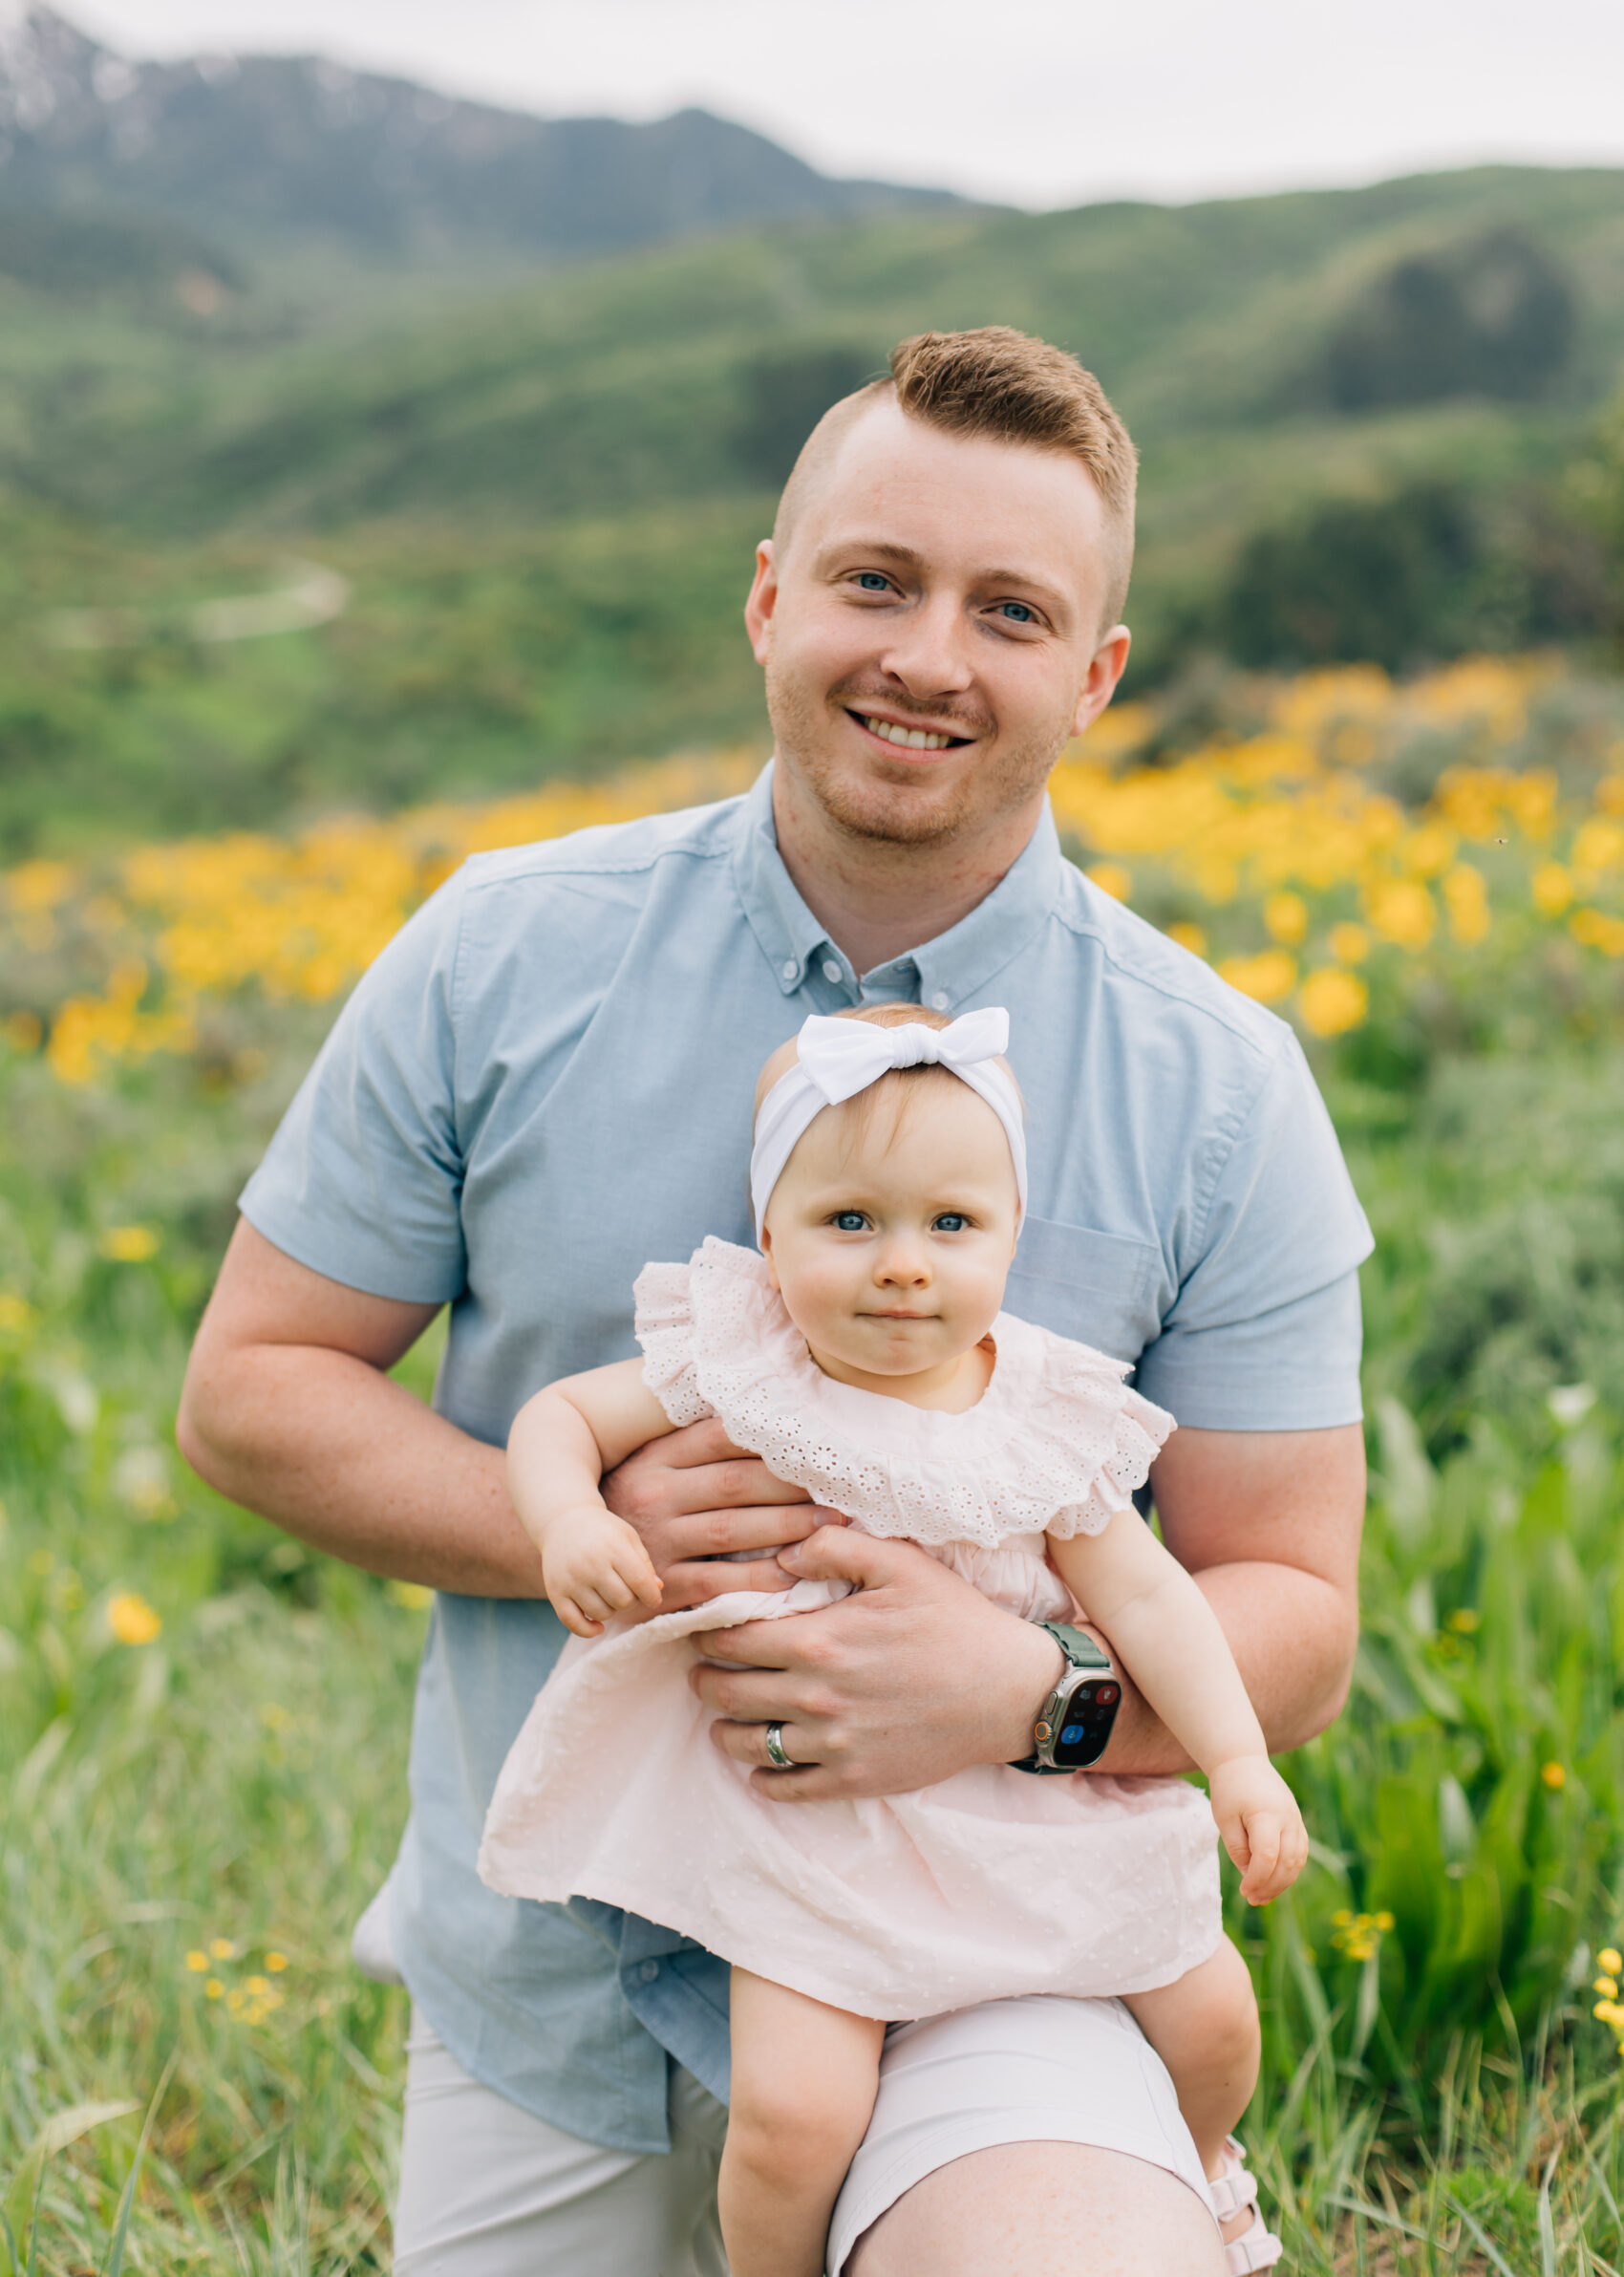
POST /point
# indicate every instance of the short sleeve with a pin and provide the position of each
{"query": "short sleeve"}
(363, 1180)
(1263, 1334)
(663, 1296)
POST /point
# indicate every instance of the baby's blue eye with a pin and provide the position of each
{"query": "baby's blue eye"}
(950, 1221)
(850, 1221)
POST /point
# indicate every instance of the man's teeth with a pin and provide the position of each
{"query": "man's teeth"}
(916, 739)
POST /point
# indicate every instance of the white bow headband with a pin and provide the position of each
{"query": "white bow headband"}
(836, 1059)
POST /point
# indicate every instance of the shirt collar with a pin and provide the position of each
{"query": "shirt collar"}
(951, 969)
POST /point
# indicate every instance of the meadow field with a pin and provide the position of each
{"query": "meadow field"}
(206, 1726)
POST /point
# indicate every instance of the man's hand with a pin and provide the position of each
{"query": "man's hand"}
(909, 1678)
(695, 1497)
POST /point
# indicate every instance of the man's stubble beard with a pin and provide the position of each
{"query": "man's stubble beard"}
(900, 813)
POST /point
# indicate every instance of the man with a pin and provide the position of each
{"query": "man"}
(544, 1082)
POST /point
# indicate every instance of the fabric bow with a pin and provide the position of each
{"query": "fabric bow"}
(836, 1059)
(843, 1057)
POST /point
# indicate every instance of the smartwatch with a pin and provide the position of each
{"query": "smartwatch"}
(1074, 1721)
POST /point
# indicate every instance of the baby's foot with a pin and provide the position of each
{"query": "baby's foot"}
(1248, 2245)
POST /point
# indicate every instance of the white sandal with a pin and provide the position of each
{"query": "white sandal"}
(1232, 2192)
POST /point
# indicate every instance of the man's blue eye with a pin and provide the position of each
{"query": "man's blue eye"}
(850, 1221)
(872, 582)
(1019, 613)
(951, 1221)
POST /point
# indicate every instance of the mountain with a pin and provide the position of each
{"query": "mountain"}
(259, 150)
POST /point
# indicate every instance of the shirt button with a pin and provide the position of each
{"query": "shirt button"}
(831, 970)
(940, 1001)
(649, 1972)
(790, 968)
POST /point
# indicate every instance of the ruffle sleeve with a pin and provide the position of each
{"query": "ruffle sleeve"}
(1080, 1398)
(663, 1296)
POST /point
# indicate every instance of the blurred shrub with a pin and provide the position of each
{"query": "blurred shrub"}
(1500, 1273)
(784, 394)
(1429, 572)
(1491, 315)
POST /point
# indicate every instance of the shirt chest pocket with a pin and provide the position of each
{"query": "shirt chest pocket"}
(1101, 1289)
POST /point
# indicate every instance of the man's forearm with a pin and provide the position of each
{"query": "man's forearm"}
(1292, 1634)
(332, 1450)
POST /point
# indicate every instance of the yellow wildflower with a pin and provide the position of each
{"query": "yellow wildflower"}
(1553, 888)
(1350, 943)
(1111, 878)
(1267, 978)
(1402, 911)
(129, 1245)
(1333, 1001)
(197, 1962)
(1594, 929)
(131, 1620)
(1284, 915)
(1466, 897)
(16, 1315)
(410, 1594)
(214, 1988)
(1611, 1960)
(1189, 936)
(276, 1963)
(1555, 1776)
(222, 1949)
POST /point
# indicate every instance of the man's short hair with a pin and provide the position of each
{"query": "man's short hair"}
(1006, 385)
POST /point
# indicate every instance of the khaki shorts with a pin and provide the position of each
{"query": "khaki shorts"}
(489, 2191)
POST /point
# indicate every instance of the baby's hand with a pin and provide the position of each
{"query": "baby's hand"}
(593, 1565)
(1262, 1828)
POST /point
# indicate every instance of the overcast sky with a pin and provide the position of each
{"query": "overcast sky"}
(1043, 102)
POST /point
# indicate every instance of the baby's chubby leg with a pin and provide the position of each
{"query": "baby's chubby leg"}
(805, 2077)
(1204, 2029)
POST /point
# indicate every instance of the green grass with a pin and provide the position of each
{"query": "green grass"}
(241, 1777)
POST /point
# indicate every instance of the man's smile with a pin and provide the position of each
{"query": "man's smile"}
(902, 735)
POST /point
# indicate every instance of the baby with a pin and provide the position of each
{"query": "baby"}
(864, 1355)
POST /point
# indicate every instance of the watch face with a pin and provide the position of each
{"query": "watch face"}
(1086, 1721)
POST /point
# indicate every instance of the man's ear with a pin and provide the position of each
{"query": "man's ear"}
(764, 600)
(1109, 663)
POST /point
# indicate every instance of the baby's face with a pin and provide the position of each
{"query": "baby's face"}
(890, 1247)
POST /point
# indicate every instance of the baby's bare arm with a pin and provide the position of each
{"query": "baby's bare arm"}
(1172, 1646)
(563, 1441)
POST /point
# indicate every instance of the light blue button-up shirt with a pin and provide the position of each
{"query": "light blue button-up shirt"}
(546, 1081)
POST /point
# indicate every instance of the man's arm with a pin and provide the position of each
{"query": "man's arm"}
(916, 1675)
(1269, 1522)
(288, 1408)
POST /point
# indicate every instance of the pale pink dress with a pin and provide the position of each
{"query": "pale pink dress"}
(989, 1885)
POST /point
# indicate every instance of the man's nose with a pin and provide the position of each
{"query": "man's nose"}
(927, 651)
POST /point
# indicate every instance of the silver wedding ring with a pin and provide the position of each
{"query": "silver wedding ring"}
(775, 1756)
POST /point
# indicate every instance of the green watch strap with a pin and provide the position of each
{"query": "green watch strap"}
(1079, 1649)
(1081, 1653)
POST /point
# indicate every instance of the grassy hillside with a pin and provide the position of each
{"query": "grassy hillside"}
(544, 493)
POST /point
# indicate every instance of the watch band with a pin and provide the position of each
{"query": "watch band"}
(1074, 1706)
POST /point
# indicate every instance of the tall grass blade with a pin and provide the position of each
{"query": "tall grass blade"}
(114, 2264)
(1486, 2245)
(1547, 2226)
(17, 2214)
